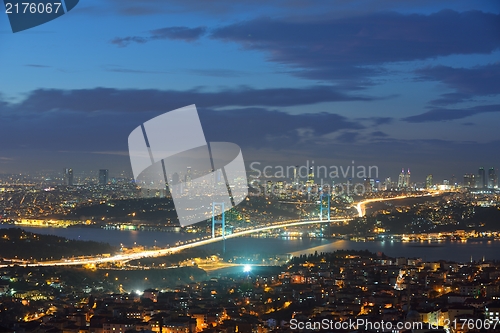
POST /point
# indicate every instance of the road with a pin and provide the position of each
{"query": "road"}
(162, 252)
(360, 207)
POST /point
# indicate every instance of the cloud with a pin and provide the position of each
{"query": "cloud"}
(180, 33)
(379, 134)
(173, 33)
(36, 130)
(357, 48)
(220, 72)
(467, 82)
(134, 100)
(260, 128)
(37, 66)
(117, 153)
(69, 127)
(125, 41)
(451, 114)
(219, 8)
(119, 69)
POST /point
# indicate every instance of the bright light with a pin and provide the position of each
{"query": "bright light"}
(138, 292)
(247, 268)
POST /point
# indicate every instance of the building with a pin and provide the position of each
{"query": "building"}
(388, 183)
(68, 177)
(368, 185)
(428, 181)
(492, 178)
(404, 179)
(481, 178)
(492, 311)
(401, 179)
(103, 176)
(310, 176)
(469, 180)
(407, 179)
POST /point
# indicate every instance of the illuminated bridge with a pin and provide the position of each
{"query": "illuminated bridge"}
(192, 243)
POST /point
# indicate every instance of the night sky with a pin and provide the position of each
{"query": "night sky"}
(413, 84)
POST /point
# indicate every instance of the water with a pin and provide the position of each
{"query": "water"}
(456, 251)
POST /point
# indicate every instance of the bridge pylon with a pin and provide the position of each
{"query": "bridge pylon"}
(321, 208)
(222, 221)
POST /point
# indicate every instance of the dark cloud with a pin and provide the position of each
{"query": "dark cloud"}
(37, 66)
(348, 137)
(451, 114)
(355, 48)
(133, 100)
(173, 33)
(318, 7)
(379, 134)
(180, 33)
(119, 69)
(125, 41)
(219, 72)
(379, 120)
(53, 129)
(467, 82)
(36, 123)
(260, 128)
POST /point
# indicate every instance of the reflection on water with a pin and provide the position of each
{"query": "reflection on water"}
(456, 251)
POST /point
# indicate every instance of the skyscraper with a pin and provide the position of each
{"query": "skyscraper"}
(188, 177)
(368, 185)
(68, 177)
(428, 181)
(295, 175)
(453, 181)
(401, 179)
(469, 180)
(481, 178)
(103, 176)
(407, 179)
(492, 178)
(388, 183)
(310, 176)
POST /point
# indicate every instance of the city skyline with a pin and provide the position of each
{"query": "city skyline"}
(420, 90)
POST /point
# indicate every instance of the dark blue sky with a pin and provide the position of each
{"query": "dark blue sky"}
(412, 84)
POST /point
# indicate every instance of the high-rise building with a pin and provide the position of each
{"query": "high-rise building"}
(469, 180)
(368, 185)
(401, 179)
(481, 178)
(310, 176)
(407, 179)
(188, 177)
(68, 177)
(388, 183)
(453, 181)
(295, 175)
(428, 181)
(103, 176)
(492, 178)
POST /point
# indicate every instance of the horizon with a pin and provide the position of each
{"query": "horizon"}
(411, 85)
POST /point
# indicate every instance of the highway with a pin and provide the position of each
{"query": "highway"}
(167, 251)
(192, 244)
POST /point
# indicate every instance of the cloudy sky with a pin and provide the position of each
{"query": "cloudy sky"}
(412, 84)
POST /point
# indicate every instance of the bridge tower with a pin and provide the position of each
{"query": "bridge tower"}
(321, 208)
(222, 221)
